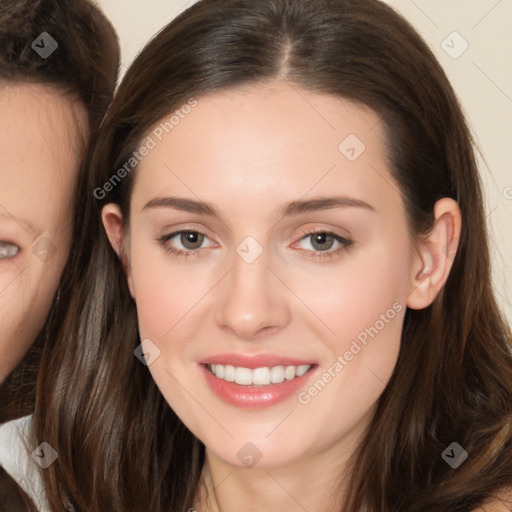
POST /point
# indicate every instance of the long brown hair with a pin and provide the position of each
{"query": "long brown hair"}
(121, 447)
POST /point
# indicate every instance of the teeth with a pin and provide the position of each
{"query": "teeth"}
(259, 376)
(229, 373)
(289, 372)
(301, 370)
(242, 376)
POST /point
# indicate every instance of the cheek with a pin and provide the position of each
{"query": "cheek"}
(361, 304)
(164, 291)
(15, 321)
(25, 302)
(353, 294)
(169, 313)
(361, 300)
(28, 286)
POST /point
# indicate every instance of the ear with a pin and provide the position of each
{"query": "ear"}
(435, 254)
(112, 219)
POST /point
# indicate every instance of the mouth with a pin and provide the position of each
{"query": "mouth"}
(257, 387)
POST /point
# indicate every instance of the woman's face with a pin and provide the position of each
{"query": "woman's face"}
(250, 175)
(40, 148)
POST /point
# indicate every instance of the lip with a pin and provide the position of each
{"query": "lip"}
(255, 397)
(254, 361)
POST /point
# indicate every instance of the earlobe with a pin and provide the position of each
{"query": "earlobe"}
(435, 256)
(112, 219)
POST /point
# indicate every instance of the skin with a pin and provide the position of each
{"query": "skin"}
(250, 151)
(42, 141)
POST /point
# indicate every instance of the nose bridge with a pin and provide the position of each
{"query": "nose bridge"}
(251, 300)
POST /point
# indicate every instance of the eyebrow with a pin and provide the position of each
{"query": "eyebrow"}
(289, 209)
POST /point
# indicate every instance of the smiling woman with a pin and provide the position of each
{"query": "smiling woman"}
(313, 227)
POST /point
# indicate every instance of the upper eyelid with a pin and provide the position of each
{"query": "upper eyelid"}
(177, 232)
(346, 234)
(171, 230)
(11, 234)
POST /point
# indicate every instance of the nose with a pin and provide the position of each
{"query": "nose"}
(252, 302)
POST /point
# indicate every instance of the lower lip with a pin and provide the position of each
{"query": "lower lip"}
(255, 397)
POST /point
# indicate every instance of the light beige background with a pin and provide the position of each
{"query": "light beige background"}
(481, 75)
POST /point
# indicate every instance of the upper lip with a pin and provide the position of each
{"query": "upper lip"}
(254, 361)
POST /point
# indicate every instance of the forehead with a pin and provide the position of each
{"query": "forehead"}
(271, 141)
(41, 143)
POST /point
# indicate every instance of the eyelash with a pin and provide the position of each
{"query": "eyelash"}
(345, 244)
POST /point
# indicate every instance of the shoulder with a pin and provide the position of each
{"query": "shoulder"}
(19, 461)
(501, 501)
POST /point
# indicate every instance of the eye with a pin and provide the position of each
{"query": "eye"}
(187, 243)
(8, 250)
(323, 241)
(183, 243)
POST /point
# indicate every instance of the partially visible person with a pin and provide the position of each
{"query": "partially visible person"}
(58, 70)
